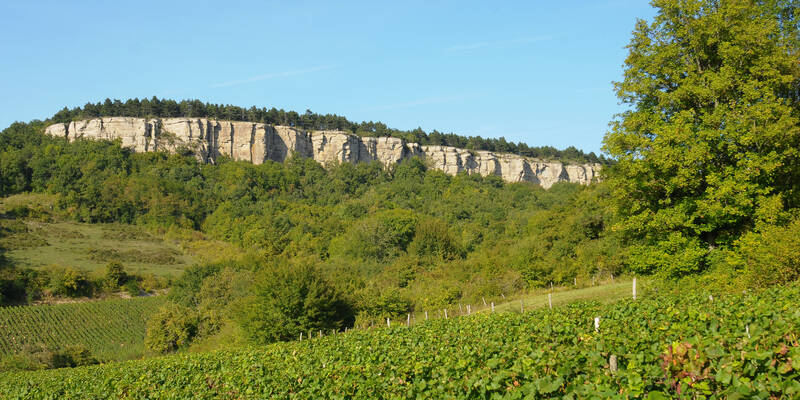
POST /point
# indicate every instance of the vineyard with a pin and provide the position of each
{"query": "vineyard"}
(110, 329)
(743, 346)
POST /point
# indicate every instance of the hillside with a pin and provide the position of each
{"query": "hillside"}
(209, 140)
(740, 346)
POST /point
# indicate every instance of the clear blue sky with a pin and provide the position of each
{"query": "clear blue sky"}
(533, 71)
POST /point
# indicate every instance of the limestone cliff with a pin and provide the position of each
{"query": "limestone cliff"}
(257, 143)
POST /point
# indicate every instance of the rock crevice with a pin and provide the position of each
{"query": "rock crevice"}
(210, 139)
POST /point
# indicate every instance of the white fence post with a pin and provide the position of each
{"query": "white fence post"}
(597, 324)
(634, 288)
(550, 300)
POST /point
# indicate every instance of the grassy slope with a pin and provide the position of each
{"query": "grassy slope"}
(110, 329)
(30, 242)
(90, 247)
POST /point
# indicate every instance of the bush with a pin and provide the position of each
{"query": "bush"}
(132, 287)
(378, 237)
(115, 274)
(433, 239)
(291, 299)
(772, 255)
(171, 328)
(69, 282)
(40, 357)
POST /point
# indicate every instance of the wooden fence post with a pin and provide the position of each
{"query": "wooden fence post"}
(550, 300)
(492, 306)
(612, 364)
(408, 320)
(445, 313)
(426, 315)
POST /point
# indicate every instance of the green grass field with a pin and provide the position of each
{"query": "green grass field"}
(110, 329)
(91, 246)
(39, 239)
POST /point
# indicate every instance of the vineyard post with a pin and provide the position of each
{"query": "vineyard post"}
(550, 300)
(426, 315)
(408, 320)
(445, 313)
(612, 277)
(575, 281)
(345, 330)
(504, 296)
(593, 281)
(522, 306)
(612, 364)
(492, 306)
(460, 310)
(320, 333)
(469, 309)
(747, 330)
(597, 324)
(301, 336)
(388, 323)
(484, 301)
(634, 288)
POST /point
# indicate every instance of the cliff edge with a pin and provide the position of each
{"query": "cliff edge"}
(209, 139)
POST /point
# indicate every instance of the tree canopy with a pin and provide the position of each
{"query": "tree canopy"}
(708, 148)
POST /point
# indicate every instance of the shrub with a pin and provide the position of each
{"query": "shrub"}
(291, 299)
(433, 239)
(115, 274)
(772, 255)
(69, 282)
(171, 328)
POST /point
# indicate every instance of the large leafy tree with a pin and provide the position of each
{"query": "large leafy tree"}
(708, 147)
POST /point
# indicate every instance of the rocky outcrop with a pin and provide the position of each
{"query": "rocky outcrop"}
(257, 143)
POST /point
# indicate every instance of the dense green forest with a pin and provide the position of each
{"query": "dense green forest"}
(166, 108)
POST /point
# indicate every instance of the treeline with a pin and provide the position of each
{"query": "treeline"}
(166, 108)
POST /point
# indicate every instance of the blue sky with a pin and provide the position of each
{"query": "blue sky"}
(532, 71)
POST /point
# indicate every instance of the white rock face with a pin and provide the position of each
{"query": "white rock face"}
(255, 142)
